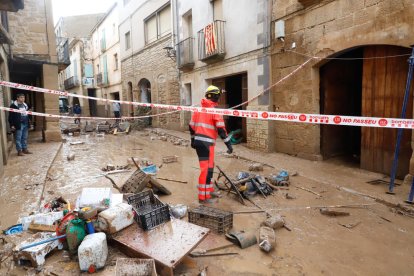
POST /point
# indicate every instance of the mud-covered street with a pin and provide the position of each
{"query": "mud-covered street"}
(372, 240)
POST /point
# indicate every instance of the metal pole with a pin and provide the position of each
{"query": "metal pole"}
(41, 242)
(400, 130)
(411, 195)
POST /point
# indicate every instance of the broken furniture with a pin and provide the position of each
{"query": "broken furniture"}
(231, 187)
(217, 220)
(168, 244)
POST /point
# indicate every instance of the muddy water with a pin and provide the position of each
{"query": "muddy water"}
(316, 245)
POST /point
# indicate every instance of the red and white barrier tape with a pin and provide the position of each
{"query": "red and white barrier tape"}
(34, 113)
(265, 115)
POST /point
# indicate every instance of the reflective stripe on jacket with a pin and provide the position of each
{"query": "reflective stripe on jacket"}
(205, 125)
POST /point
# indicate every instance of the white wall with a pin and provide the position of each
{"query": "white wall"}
(132, 18)
(241, 28)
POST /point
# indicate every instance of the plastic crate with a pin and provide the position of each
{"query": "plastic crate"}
(217, 220)
(135, 267)
(149, 210)
(136, 183)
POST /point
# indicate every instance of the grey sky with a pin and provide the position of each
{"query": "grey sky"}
(63, 8)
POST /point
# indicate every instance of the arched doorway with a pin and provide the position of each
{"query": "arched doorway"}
(145, 97)
(145, 90)
(360, 83)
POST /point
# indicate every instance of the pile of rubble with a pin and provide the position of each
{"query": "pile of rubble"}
(163, 136)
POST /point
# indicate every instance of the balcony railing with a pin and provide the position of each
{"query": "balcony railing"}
(4, 29)
(211, 42)
(102, 79)
(71, 82)
(62, 48)
(185, 53)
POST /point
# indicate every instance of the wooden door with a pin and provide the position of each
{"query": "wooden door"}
(221, 84)
(383, 89)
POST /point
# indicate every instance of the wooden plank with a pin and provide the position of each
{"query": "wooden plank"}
(167, 244)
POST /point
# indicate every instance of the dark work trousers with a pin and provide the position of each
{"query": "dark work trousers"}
(205, 153)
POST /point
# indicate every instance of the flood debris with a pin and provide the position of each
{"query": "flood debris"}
(307, 190)
(274, 222)
(94, 197)
(170, 159)
(133, 267)
(256, 167)
(219, 221)
(267, 238)
(280, 180)
(70, 156)
(76, 143)
(115, 218)
(42, 218)
(35, 249)
(289, 196)
(204, 252)
(350, 225)
(178, 211)
(93, 252)
(110, 167)
(333, 213)
(244, 239)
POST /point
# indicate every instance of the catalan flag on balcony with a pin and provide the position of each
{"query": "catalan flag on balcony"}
(210, 39)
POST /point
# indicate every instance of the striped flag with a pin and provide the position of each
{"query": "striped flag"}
(210, 39)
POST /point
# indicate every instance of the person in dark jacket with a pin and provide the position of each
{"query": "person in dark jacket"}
(77, 112)
(19, 124)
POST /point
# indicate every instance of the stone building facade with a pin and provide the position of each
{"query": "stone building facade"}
(367, 43)
(78, 76)
(32, 59)
(240, 63)
(148, 74)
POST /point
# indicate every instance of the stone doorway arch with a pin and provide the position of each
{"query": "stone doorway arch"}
(361, 83)
(144, 86)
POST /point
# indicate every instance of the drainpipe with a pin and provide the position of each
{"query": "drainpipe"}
(400, 130)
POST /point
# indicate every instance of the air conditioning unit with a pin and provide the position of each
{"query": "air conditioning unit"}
(280, 29)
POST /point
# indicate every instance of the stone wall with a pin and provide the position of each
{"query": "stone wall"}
(323, 29)
(28, 29)
(152, 64)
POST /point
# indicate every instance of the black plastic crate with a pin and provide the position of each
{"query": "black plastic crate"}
(217, 220)
(149, 210)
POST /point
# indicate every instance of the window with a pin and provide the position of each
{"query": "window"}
(158, 24)
(116, 62)
(103, 40)
(127, 40)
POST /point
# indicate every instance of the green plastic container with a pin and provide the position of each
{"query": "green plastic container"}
(75, 233)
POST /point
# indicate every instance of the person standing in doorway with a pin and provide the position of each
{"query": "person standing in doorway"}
(204, 128)
(77, 110)
(19, 124)
(116, 107)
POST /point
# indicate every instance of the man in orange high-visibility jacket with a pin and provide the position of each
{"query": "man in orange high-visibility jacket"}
(204, 128)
